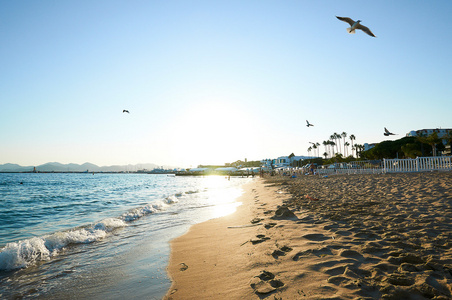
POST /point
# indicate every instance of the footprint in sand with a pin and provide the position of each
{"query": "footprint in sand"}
(322, 252)
(265, 283)
(255, 220)
(346, 275)
(350, 253)
(400, 279)
(259, 239)
(343, 233)
(318, 237)
(337, 270)
(184, 267)
(339, 280)
(373, 247)
(281, 252)
(270, 225)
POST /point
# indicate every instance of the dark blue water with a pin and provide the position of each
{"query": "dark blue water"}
(99, 236)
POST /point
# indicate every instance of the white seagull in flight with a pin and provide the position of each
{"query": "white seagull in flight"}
(355, 25)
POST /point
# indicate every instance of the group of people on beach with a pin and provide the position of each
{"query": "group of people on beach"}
(309, 169)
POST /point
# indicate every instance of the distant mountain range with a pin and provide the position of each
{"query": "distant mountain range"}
(58, 167)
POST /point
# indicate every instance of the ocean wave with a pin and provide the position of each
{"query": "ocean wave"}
(171, 199)
(137, 213)
(24, 253)
(21, 254)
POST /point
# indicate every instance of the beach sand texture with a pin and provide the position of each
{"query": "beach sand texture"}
(383, 236)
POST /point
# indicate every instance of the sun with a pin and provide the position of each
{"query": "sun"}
(209, 132)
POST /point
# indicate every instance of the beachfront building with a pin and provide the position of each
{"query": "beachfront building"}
(442, 133)
(283, 161)
(267, 164)
(426, 132)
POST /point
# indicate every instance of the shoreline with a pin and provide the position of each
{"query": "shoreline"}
(199, 256)
(369, 236)
(111, 237)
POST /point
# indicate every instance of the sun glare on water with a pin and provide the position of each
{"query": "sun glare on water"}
(224, 203)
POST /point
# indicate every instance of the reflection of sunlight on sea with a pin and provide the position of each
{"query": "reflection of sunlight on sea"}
(215, 182)
(222, 210)
(222, 196)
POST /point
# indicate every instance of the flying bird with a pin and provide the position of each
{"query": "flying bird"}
(355, 25)
(125, 111)
(388, 133)
(308, 124)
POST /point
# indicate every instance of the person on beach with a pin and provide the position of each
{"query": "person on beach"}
(311, 169)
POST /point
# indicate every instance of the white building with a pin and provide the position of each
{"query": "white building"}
(283, 161)
(427, 132)
(441, 133)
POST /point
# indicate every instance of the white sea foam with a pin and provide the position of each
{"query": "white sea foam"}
(21, 254)
(24, 253)
(171, 199)
(137, 213)
(109, 224)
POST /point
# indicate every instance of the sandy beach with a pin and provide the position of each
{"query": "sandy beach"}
(383, 236)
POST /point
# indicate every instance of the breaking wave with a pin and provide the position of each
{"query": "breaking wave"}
(139, 212)
(24, 253)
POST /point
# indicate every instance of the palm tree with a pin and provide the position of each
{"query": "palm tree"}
(344, 135)
(325, 144)
(352, 137)
(314, 147)
(432, 140)
(332, 147)
(325, 154)
(338, 138)
(309, 150)
(339, 157)
(333, 138)
(448, 137)
(346, 144)
(359, 148)
(421, 138)
(318, 149)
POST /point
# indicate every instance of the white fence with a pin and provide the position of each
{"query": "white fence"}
(420, 164)
(355, 167)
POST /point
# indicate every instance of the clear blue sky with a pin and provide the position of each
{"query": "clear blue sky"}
(215, 81)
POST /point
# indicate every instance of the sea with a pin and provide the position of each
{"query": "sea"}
(100, 236)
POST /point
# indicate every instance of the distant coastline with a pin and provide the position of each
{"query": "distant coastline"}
(88, 168)
(55, 167)
(71, 172)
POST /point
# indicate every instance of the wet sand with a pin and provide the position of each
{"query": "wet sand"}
(342, 237)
